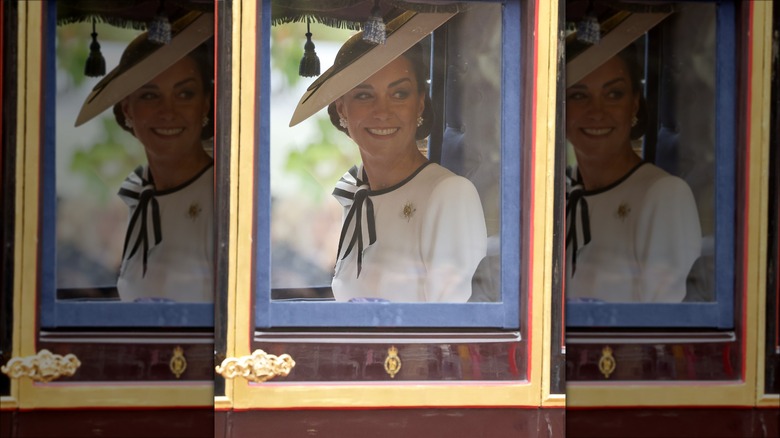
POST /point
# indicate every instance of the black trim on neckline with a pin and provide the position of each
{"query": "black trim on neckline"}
(616, 183)
(184, 184)
(398, 185)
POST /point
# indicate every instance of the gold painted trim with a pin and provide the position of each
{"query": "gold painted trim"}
(547, 46)
(222, 403)
(43, 367)
(257, 367)
(119, 395)
(8, 403)
(273, 395)
(760, 134)
(242, 144)
(658, 393)
(769, 400)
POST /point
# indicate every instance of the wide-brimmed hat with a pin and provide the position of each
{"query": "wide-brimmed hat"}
(615, 29)
(358, 60)
(187, 33)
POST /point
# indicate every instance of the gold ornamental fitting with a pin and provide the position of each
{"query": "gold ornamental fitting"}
(392, 362)
(178, 363)
(607, 363)
(43, 367)
(257, 367)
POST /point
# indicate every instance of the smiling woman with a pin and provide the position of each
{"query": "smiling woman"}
(412, 230)
(168, 250)
(429, 215)
(634, 230)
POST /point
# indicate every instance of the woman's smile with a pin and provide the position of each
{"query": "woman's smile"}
(597, 132)
(168, 132)
(382, 132)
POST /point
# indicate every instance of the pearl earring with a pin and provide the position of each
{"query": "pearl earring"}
(634, 121)
(343, 122)
(205, 121)
(129, 123)
(420, 121)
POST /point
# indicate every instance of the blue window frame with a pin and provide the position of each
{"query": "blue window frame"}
(716, 311)
(86, 312)
(503, 313)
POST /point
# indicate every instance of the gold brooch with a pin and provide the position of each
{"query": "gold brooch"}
(194, 211)
(409, 210)
(623, 211)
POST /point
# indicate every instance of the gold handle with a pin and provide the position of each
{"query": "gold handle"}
(257, 367)
(43, 367)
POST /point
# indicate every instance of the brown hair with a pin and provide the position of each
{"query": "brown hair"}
(630, 58)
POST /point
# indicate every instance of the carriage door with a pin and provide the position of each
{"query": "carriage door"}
(297, 361)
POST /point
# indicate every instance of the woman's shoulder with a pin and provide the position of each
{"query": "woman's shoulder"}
(441, 178)
(662, 187)
(652, 176)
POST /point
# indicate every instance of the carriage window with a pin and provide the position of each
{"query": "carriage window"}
(311, 259)
(87, 193)
(650, 234)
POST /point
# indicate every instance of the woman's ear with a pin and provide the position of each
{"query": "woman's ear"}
(340, 107)
(124, 105)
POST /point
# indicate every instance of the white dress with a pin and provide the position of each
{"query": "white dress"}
(428, 239)
(644, 237)
(179, 252)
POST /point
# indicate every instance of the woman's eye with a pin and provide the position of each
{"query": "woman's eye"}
(401, 94)
(616, 94)
(575, 96)
(362, 95)
(186, 94)
(148, 96)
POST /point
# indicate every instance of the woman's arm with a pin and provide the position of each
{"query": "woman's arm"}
(454, 240)
(668, 240)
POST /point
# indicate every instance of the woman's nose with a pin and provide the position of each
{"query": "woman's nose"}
(381, 108)
(596, 108)
(167, 106)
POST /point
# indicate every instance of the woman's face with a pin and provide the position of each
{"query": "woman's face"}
(599, 109)
(382, 112)
(167, 113)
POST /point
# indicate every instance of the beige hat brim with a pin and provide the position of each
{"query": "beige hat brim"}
(117, 85)
(337, 83)
(611, 44)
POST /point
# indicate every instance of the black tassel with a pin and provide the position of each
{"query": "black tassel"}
(96, 64)
(310, 63)
(374, 29)
(160, 27)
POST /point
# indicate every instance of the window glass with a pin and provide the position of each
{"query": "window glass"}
(665, 274)
(475, 135)
(84, 218)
